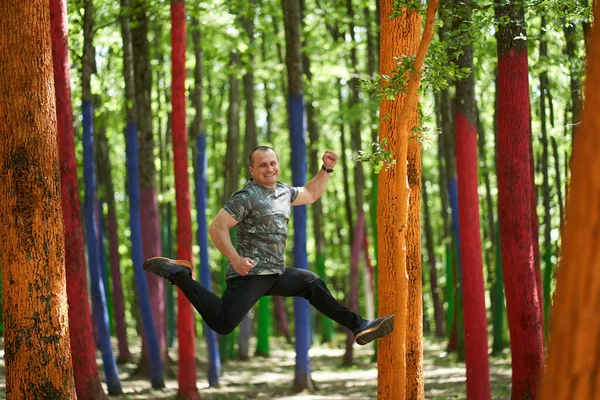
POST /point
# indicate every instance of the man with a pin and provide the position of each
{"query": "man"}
(260, 212)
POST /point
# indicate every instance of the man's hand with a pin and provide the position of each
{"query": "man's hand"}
(243, 265)
(330, 159)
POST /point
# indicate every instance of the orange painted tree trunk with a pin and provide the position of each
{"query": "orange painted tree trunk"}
(515, 186)
(415, 384)
(573, 369)
(400, 35)
(83, 350)
(34, 306)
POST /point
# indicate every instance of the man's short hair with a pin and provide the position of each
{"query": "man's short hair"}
(259, 148)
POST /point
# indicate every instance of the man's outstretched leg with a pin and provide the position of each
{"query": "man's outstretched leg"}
(306, 284)
(222, 315)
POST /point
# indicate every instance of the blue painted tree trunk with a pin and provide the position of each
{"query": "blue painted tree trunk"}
(301, 306)
(214, 358)
(91, 230)
(453, 197)
(133, 180)
(103, 269)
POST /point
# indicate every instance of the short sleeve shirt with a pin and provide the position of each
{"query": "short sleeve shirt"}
(262, 215)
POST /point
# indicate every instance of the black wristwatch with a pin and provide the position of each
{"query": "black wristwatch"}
(328, 170)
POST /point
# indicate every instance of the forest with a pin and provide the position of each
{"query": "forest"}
(465, 201)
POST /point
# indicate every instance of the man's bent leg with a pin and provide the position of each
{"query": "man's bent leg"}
(306, 284)
(223, 314)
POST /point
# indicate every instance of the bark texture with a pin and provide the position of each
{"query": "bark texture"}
(573, 370)
(34, 306)
(514, 205)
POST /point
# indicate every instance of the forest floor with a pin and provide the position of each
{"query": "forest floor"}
(272, 378)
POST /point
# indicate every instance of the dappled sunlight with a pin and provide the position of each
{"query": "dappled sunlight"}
(272, 377)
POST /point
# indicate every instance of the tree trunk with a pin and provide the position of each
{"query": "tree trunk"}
(297, 126)
(232, 173)
(32, 251)
(399, 35)
(557, 173)
(546, 182)
(148, 197)
(415, 388)
(438, 311)
(572, 370)
(199, 134)
(575, 84)
(250, 142)
(514, 204)
(85, 370)
(326, 324)
(105, 178)
(91, 228)
(185, 315)
(475, 319)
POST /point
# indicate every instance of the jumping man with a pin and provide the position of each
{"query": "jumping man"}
(260, 212)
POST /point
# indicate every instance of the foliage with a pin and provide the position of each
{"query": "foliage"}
(380, 156)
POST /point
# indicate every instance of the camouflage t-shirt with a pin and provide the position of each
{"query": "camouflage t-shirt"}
(262, 215)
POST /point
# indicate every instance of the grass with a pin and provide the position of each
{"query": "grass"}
(272, 378)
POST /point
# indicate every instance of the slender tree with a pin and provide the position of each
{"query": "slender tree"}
(91, 228)
(438, 312)
(475, 319)
(32, 252)
(514, 203)
(548, 248)
(415, 385)
(232, 174)
(297, 126)
(151, 241)
(85, 370)
(250, 140)
(326, 325)
(106, 180)
(185, 314)
(570, 30)
(572, 370)
(199, 133)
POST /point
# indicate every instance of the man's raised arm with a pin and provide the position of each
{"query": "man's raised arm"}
(315, 188)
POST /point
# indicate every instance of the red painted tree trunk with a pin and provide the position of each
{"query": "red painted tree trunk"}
(83, 351)
(185, 316)
(514, 205)
(475, 318)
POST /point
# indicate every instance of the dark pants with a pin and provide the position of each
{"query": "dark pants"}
(223, 314)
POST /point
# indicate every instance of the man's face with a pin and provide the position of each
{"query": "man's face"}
(265, 168)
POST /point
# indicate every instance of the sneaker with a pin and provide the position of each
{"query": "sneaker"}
(370, 330)
(167, 268)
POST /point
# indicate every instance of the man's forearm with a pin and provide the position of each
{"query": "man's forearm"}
(222, 241)
(317, 185)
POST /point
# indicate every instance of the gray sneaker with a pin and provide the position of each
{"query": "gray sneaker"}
(167, 268)
(370, 330)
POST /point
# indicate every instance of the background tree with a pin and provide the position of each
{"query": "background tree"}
(475, 319)
(198, 131)
(297, 125)
(85, 370)
(99, 309)
(185, 314)
(514, 194)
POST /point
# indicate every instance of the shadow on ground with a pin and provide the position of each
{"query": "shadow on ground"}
(272, 377)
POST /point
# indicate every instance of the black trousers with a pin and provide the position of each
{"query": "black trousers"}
(222, 315)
